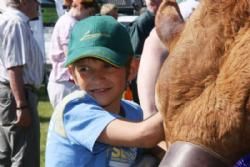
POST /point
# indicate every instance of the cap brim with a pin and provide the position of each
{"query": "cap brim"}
(103, 53)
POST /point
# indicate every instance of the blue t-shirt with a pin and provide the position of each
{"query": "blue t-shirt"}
(74, 128)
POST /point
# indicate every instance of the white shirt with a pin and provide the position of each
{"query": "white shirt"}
(19, 48)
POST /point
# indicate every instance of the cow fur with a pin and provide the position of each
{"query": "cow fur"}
(204, 85)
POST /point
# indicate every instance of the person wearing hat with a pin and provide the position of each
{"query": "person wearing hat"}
(109, 9)
(94, 126)
(21, 75)
(60, 83)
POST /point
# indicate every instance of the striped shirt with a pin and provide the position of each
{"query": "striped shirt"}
(19, 48)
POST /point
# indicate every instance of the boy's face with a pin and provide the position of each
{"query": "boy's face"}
(101, 80)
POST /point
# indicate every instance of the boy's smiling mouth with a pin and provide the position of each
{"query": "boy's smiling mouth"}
(99, 91)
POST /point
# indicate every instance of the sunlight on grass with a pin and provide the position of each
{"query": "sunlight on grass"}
(45, 111)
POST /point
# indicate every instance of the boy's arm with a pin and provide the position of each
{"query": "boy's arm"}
(145, 134)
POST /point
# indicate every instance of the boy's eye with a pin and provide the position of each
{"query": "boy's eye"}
(83, 68)
(109, 66)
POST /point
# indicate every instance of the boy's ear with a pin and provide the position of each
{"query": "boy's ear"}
(133, 68)
(71, 70)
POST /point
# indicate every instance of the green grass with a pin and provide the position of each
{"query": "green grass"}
(49, 15)
(45, 111)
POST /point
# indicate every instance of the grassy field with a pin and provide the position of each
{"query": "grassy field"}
(45, 111)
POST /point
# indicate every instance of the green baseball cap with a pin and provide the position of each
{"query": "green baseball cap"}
(100, 37)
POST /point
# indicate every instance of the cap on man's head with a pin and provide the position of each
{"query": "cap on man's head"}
(100, 37)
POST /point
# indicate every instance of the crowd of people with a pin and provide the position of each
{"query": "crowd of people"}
(94, 60)
(22, 71)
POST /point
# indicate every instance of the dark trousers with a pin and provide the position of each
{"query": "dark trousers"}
(19, 147)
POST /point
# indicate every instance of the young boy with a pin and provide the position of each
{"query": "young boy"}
(94, 127)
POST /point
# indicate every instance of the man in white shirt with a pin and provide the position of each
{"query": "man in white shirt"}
(21, 74)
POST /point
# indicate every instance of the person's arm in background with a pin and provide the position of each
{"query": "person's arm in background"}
(18, 91)
(153, 55)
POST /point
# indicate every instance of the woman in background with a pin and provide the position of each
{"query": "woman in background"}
(60, 82)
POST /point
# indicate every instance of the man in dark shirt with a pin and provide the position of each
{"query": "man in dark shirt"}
(139, 31)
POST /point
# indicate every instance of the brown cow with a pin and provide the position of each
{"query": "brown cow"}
(204, 86)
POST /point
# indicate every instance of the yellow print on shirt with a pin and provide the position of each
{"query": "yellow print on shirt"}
(125, 155)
